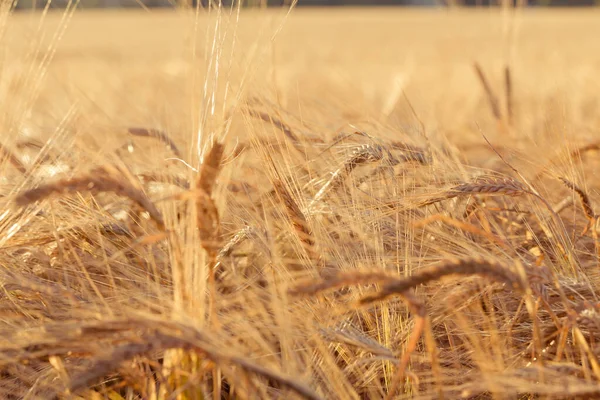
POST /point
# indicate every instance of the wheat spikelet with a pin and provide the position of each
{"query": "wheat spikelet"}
(492, 99)
(102, 179)
(158, 135)
(473, 266)
(296, 216)
(586, 204)
(364, 154)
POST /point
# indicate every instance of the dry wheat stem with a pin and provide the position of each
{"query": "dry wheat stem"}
(509, 94)
(492, 98)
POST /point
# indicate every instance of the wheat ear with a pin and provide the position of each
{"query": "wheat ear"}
(486, 186)
(158, 135)
(279, 124)
(472, 266)
(107, 178)
(297, 217)
(586, 204)
(363, 154)
(207, 213)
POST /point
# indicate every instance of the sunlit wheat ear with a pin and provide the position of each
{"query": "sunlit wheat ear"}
(395, 285)
(279, 124)
(237, 239)
(341, 279)
(472, 266)
(207, 212)
(165, 178)
(12, 158)
(586, 204)
(588, 210)
(158, 135)
(106, 178)
(484, 186)
(492, 98)
(411, 153)
(297, 217)
(362, 155)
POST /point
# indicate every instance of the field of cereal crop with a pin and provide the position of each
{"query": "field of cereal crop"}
(349, 203)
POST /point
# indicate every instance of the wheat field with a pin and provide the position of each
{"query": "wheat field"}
(352, 203)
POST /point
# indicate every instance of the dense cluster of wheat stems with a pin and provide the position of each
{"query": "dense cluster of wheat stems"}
(295, 263)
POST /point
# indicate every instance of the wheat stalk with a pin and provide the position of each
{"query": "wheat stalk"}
(509, 94)
(492, 98)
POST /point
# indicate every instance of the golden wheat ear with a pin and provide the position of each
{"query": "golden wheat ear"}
(362, 155)
(106, 178)
(297, 218)
(158, 135)
(208, 221)
(586, 204)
